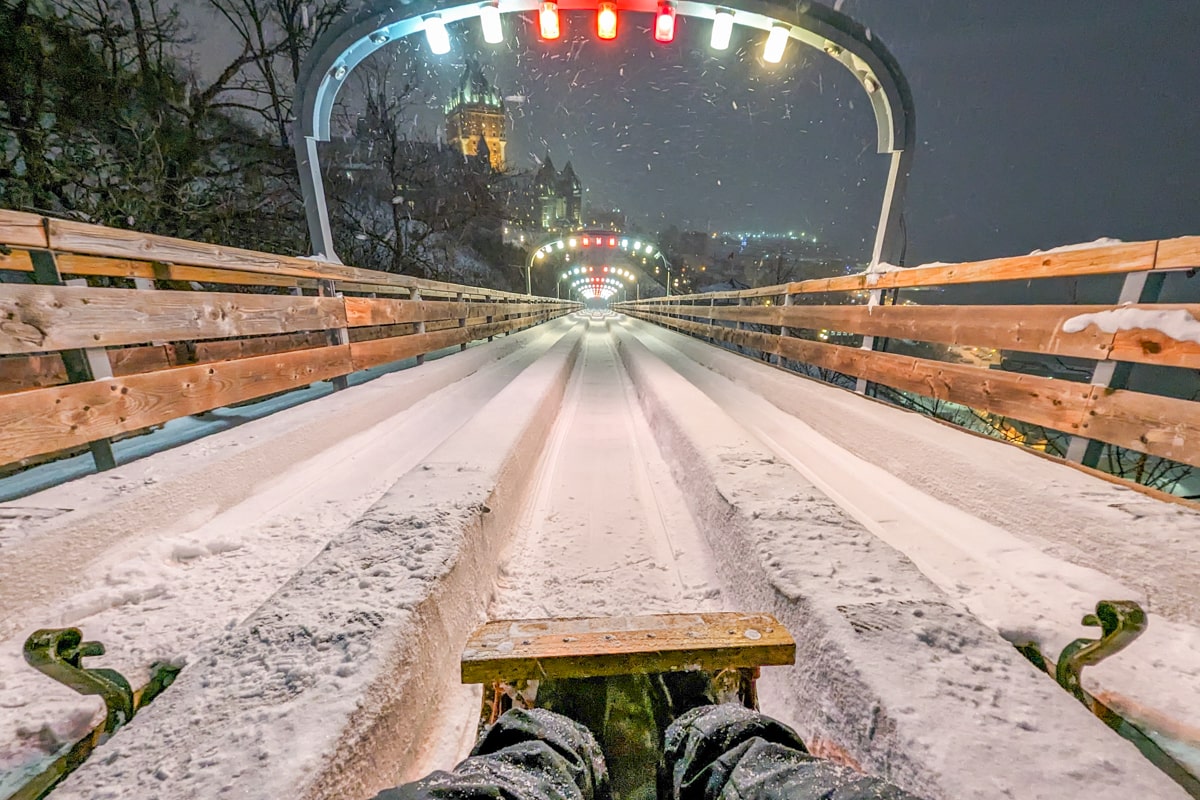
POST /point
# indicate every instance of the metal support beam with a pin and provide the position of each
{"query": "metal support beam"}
(81, 366)
(337, 336)
(1138, 287)
(376, 23)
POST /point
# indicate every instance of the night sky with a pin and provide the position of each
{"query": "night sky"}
(1038, 123)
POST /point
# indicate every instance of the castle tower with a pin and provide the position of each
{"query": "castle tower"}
(476, 112)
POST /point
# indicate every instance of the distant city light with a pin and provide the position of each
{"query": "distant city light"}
(722, 29)
(776, 42)
(489, 18)
(437, 35)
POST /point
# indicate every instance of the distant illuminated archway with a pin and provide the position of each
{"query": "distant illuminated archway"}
(599, 241)
(378, 22)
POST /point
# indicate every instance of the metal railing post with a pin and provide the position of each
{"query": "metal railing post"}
(1138, 287)
(415, 295)
(784, 332)
(337, 336)
(81, 366)
(462, 321)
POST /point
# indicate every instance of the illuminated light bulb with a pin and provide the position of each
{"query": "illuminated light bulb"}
(541, 253)
(722, 29)
(572, 243)
(548, 20)
(586, 241)
(776, 42)
(489, 19)
(606, 20)
(612, 242)
(664, 22)
(437, 35)
(560, 244)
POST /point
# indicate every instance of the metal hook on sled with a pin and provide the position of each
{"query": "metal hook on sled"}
(56, 653)
(1120, 622)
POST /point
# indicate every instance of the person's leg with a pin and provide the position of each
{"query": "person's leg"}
(526, 755)
(729, 751)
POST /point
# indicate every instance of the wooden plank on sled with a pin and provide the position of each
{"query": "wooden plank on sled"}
(509, 650)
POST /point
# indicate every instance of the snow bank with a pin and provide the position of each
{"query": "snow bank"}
(324, 691)
(888, 669)
(1176, 324)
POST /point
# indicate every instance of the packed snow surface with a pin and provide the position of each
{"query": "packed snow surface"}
(184, 554)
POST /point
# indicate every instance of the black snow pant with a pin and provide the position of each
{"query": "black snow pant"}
(724, 752)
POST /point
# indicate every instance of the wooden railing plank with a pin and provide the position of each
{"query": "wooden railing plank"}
(374, 352)
(99, 266)
(1109, 259)
(1029, 329)
(16, 261)
(1049, 402)
(18, 228)
(1166, 427)
(361, 311)
(60, 417)
(96, 240)
(1181, 253)
(42, 318)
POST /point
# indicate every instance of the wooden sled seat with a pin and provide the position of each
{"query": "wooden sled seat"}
(505, 651)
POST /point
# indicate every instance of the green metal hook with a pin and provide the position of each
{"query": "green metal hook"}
(1120, 622)
(56, 652)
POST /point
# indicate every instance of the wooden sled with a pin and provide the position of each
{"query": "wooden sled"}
(624, 678)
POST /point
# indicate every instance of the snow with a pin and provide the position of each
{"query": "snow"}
(1067, 248)
(879, 268)
(317, 571)
(971, 700)
(1176, 324)
(172, 550)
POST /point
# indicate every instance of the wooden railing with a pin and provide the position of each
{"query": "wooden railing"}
(81, 364)
(1101, 410)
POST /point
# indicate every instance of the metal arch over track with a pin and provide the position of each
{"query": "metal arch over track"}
(377, 23)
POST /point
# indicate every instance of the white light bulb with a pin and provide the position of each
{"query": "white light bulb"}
(776, 42)
(489, 18)
(722, 29)
(437, 36)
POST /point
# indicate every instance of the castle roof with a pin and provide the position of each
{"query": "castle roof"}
(475, 90)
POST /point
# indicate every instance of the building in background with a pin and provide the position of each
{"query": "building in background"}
(475, 120)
